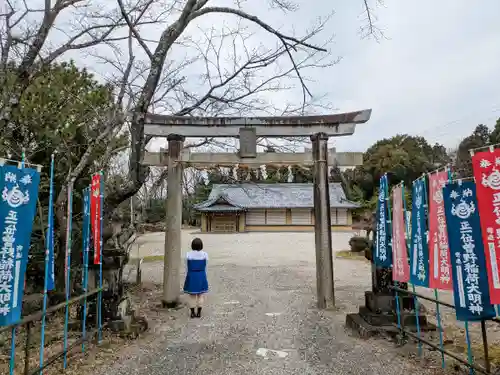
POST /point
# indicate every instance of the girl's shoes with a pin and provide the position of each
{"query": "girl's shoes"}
(196, 314)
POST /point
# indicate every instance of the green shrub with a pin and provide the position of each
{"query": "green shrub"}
(359, 244)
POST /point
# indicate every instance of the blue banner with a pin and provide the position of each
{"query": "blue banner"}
(383, 252)
(419, 251)
(17, 211)
(470, 280)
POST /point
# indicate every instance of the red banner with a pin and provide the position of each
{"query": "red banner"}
(439, 250)
(486, 167)
(95, 215)
(401, 268)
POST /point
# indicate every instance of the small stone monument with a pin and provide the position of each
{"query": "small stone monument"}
(379, 314)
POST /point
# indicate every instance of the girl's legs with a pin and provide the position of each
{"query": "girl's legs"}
(193, 298)
(199, 303)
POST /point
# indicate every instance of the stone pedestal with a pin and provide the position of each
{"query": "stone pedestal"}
(379, 314)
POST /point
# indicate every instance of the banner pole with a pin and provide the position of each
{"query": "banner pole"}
(466, 323)
(408, 246)
(389, 222)
(467, 336)
(101, 208)
(436, 293)
(12, 362)
(48, 248)
(469, 350)
(69, 224)
(86, 241)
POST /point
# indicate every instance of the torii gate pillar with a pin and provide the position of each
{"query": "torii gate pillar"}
(173, 223)
(322, 223)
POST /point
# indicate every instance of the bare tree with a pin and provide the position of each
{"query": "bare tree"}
(26, 50)
(223, 88)
(241, 67)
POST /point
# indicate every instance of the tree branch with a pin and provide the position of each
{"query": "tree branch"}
(370, 29)
(255, 20)
(134, 30)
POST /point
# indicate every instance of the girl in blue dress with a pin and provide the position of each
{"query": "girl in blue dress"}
(196, 283)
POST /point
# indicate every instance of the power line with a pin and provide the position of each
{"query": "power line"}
(443, 129)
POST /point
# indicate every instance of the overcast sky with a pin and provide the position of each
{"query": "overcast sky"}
(435, 74)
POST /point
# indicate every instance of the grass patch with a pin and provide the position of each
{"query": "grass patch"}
(147, 259)
(347, 254)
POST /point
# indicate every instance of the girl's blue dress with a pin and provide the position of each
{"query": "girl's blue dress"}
(196, 277)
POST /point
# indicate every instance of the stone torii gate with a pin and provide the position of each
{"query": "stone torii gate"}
(248, 129)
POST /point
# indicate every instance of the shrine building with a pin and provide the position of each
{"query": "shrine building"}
(282, 207)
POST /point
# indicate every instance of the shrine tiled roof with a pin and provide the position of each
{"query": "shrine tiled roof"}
(285, 195)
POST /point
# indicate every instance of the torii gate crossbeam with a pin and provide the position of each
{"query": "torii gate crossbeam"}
(340, 124)
(229, 159)
(247, 129)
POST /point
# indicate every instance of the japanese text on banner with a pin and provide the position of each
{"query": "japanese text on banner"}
(486, 167)
(383, 255)
(17, 212)
(95, 215)
(419, 253)
(401, 269)
(439, 252)
(470, 283)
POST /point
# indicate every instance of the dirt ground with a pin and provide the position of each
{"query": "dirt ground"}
(260, 316)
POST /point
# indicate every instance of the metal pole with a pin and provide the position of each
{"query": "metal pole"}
(322, 223)
(101, 244)
(69, 228)
(86, 243)
(485, 346)
(27, 348)
(173, 221)
(49, 261)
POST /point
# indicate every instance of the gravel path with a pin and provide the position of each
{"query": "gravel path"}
(260, 318)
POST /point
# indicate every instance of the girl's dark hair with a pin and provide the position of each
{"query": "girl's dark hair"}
(197, 244)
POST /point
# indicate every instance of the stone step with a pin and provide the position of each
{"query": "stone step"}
(407, 318)
(365, 330)
(382, 303)
(382, 319)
